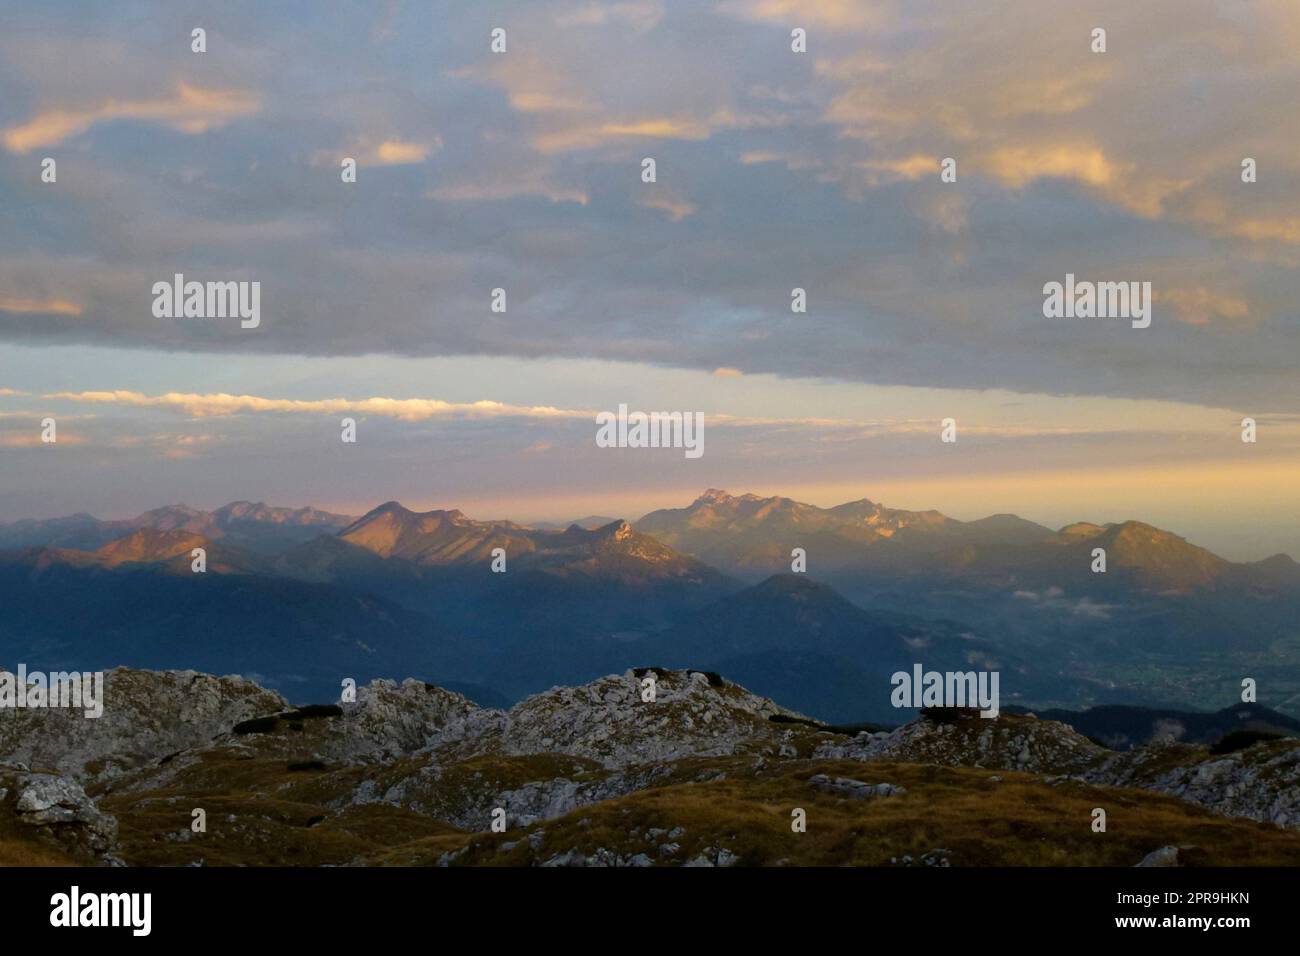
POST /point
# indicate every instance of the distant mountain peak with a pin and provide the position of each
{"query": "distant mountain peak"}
(860, 503)
(789, 583)
(717, 497)
(169, 511)
(1081, 529)
(617, 530)
(712, 496)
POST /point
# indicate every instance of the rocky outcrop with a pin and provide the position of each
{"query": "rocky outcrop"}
(854, 789)
(386, 723)
(54, 810)
(606, 723)
(1261, 782)
(1174, 856)
(1000, 743)
(389, 720)
(693, 714)
(147, 715)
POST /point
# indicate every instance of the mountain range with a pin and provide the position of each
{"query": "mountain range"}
(748, 535)
(300, 598)
(244, 524)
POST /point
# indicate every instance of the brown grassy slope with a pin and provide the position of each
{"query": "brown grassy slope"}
(17, 851)
(301, 816)
(261, 812)
(256, 830)
(1020, 821)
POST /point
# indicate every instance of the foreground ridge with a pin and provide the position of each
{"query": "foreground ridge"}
(706, 773)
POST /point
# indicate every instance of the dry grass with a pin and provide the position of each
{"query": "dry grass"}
(18, 852)
(261, 813)
(1020, 821)
(254, 830)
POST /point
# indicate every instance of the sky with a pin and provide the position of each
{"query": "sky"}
(775, 170)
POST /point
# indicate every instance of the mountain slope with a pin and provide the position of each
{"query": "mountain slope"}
(787, 612)
(1126, 727)
(566, 607)
(80, 532)
(299, 637)
(433, 537)
(450, 539)
(798, 640)
(1156, 560)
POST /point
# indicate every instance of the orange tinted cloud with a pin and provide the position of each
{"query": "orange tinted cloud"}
(1020, 165)
(190, 109)
(39, 306)
(394, 152)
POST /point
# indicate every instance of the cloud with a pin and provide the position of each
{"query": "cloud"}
(39, 306)
(1016, 166)
(1200, 306)
(393, 152)
(219, 404)
(840, 14)
(189, 109)
(1282, 229)
(677, 209)
(1053, 598)
(486, 186)
(372, 151)
(780, 170)
(1156, 143)
(576, 137)
(396, 152)
(403, 409)
(640, 16)
(33, 440)
(907, 168)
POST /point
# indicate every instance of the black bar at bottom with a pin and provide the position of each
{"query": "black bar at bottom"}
(334, 905)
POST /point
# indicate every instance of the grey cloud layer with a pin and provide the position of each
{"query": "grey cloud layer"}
(775, 170)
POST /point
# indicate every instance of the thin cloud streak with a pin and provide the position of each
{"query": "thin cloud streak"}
(215, 404)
